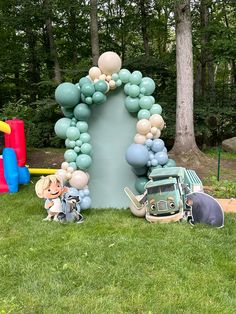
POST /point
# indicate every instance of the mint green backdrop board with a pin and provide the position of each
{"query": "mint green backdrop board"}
(112, 129)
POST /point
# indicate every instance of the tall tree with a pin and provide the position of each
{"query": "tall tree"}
(185, 143)
(94, 31)
(144, 6)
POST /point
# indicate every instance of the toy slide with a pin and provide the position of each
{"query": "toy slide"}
(12, 162)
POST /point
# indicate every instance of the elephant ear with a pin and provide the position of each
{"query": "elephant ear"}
(206, 209)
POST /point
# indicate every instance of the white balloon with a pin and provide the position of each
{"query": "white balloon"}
(64, 165)
(79, 179)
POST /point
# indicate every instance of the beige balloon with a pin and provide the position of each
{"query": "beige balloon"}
(79, 179)
(157, 121)
(94, 73)
(143, 126)
(62, 173)
(109, 62)
(139, 139)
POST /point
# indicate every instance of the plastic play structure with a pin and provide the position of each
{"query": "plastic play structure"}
(12, 161)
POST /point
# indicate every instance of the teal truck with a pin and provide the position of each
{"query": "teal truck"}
(164, 198)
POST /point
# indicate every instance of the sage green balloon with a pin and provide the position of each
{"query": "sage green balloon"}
(67, 95)
(86, 148)
(68, 112)
(124, 75)
(101, 86)
(99, 98)
(73, 133)
(82, 112)
(156, 108)
(61, 127)
(70, 155)
(126, 88)
(135, 77)
(143, 114)
(134, 90)
(85, 137)
(147, 86)
(140, 184)
(132, 104)
(145, 102)
(82, 126)
(87, 89)
(83, 161)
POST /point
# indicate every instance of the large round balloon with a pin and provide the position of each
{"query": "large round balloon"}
(82, 112)
(73, 134)
(124, 75)
(79, 179)
(67, 95)
(94, 73)
(61, 127)
(101, 86)
(137, 155)
(147, 86)
(109, 62)
(157, 121)
(132, 104)
(70, 155)
(143, 126)
(84, 161)
(162, 158)
(88, 89)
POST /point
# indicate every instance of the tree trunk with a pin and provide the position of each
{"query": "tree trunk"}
(94, 32)
(185, 143)
(144, 23)
(53, 51)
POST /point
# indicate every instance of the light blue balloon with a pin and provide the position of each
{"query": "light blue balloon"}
(137, 155)
(83, 161)
(156, 108)
(136, 77)
(72, 143)
(82, 126)
(82, 112)
(61, 127)
(134, 90)
(85, 202)
(70, 155)
(162, 158)
(145, 102)
(154, 162)
(124, 75)
(140, 184)
(143, 114)
(73, 133)
(101, 86)
(132, 104)
(85, 137)
(158, 145)
(148, 142)
(147, 86)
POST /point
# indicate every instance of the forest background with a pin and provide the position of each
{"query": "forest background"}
(46, 42)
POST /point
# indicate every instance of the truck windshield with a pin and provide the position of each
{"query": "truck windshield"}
(161, 189)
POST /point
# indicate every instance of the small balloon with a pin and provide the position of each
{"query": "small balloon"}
(134, 90)
(83, 161)
(132, 104)
(136, 77)
(157, 121)
(148, 86)
(64, 165)
(73, 133)
(70, 155)
(94, 73)
(145, 102)
(82, 126)
(139, 139)
(100, 86)
(156, 108)
(99, 98)
(85, 137)
(61, 127)
(82, 112)
(124, 75)
(143, 126)
(140, 184)
(143, 114)
(79, 179)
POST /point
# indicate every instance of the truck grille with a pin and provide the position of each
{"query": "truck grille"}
(162, 205)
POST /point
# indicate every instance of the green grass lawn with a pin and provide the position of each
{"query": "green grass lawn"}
(113, 263)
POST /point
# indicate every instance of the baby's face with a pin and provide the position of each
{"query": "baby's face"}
(53, 191)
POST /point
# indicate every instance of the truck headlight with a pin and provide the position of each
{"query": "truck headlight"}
(172, 205)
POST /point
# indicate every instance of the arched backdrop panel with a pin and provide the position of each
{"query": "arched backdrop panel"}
(112, 129)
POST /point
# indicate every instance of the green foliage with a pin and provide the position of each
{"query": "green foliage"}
(39, 121)
(113, 263)
(222, 188)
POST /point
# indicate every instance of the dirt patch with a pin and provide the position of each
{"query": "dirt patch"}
(52, 158)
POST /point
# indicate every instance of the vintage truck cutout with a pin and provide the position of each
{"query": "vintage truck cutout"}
(165, 197)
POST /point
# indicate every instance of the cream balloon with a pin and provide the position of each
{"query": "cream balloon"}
(79, 179)
(70, 169)
(112, 84)
(149, 136)
(143, 126)
(62, 173)
(102, 77)
(108, 78)
(64, 165)
(157, 121)
(68, 175)
(139, 139)
(94, 73)
(109, 62)
(154, 130)
(158, 134)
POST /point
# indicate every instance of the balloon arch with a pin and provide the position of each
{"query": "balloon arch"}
(76, 100)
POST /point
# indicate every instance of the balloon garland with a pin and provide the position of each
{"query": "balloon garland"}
(76, 100)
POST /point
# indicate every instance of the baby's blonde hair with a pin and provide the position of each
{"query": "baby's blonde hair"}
(44, 182)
